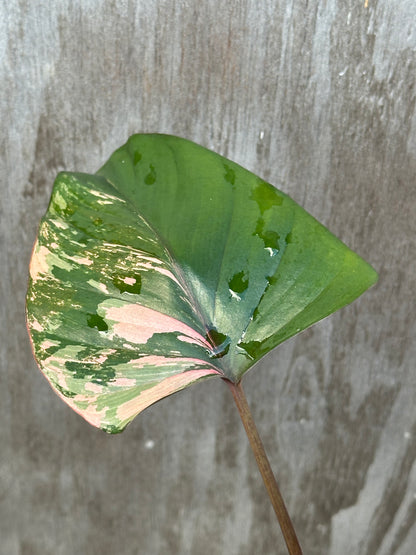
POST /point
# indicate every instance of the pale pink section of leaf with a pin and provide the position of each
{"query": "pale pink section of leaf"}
(138, 324)
(170, 385)
(158, 360)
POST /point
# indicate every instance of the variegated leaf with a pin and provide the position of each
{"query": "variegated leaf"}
(172, 265)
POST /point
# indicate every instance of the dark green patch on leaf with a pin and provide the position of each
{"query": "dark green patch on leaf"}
(219, 341)
(96, 321)
(65, 392)
(136, 157)
(270, 238)
(239, 282)
(151, 176)
(68, 210)
(229, 174)
(130, 284)
(110, 429)
(251, 348)
(94, 373)
(266, 197)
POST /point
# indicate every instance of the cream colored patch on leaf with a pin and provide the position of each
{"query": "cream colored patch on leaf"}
(159, 269)
(34, 324)
(141, 260)
(105, 196)
(39, 265)
(123, 382)
(81, 260)
(48, 343)
(97, 285)
(91, 414)
(59, 224)
(59, 200)
(94, 387)
(43, 260)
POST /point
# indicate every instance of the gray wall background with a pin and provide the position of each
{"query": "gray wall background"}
(319, 98)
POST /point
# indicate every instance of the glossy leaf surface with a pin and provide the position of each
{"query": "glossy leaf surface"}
(173, 264)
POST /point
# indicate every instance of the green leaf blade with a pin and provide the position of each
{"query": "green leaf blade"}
(171, 265)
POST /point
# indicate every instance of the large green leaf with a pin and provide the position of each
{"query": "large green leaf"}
(170, 265)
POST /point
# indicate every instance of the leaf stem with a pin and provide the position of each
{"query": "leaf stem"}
(266, 472)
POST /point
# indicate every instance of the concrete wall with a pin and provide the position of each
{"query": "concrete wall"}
(318, 97)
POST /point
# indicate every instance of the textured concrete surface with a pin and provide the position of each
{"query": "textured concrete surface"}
(319, 98)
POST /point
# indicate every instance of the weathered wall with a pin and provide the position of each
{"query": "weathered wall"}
(318, 97)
